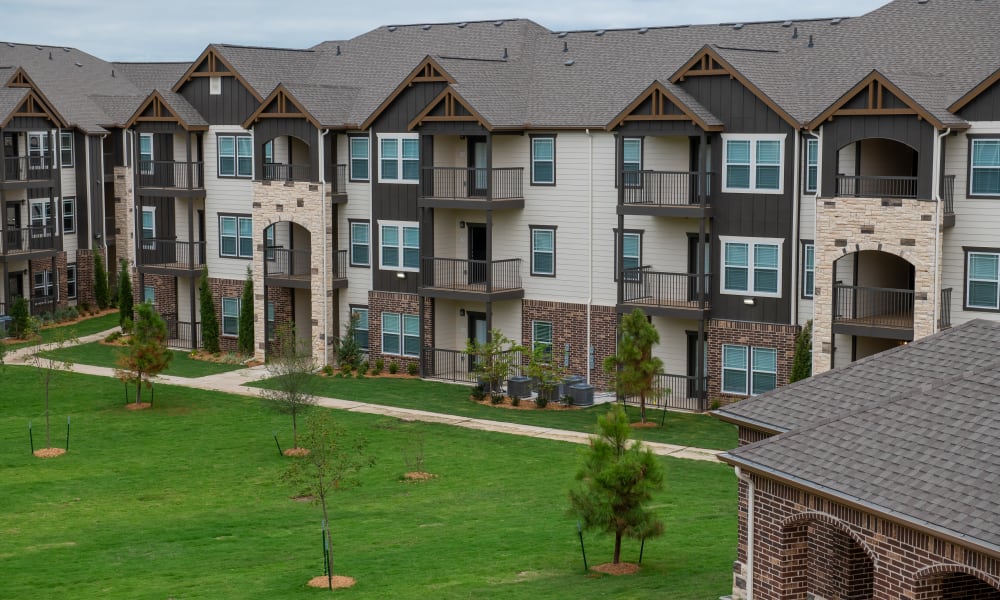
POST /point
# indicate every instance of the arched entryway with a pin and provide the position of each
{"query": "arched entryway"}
(877, 168)
(286, 158)
(287, 282)
(822, 559)
(954, 582)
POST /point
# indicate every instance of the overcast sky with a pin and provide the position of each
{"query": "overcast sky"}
(131, 30)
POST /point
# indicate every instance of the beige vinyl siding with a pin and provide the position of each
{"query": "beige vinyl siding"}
(451, 329)
(224, 195)
(666, 153)
(672, 349)
(358, 206)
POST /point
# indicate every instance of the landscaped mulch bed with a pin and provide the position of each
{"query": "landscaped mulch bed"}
(339, 582)
(526, 404)
(49, 452)
(619, 569)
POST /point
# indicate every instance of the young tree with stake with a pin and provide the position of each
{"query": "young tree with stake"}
(147, 355)
(291, 368)
(48, 367)
(634, 369)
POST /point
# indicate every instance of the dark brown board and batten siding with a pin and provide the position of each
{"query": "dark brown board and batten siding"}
(748, 215)
(985, 107)
(266, 130)
(396, 201)
(231, 107)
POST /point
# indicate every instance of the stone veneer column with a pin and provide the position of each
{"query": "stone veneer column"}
(900, 226)
(124, 215)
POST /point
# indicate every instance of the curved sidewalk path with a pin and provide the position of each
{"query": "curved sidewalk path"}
(234, 382)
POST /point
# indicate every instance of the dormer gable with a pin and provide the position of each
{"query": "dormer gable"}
(212, 64)
(428, 71)
(657, 103)
(875, 96)
(281, 104)
(449, 107)
(20, 79)
(155, 109)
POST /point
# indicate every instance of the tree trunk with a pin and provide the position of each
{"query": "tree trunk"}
(295, 440)
(138, 390)
(642, 407)
(48, 441)
(326, 519)
(618, 547)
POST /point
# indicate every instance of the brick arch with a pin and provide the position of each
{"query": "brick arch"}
(895, 249)
(947, 568)
(803, 518)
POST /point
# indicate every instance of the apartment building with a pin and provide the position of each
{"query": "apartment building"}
(732, 181)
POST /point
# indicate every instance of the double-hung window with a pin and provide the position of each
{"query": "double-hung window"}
(148, 227)
(631, 255)
(982, 285)
(69, 215)
(543, 251)
(149, 294)
(543, 160)
(38, 150)
(361, 328)
(808, 270)
(235, 236)
(43, 283)
(146, 158)
(269, 320)
(235, 156)
(66, 148)
(360, 244)
(41, 213)
(751, 266)
(399, 158)
(71, 281)
(359, 158)
(748, 370)
(400, 334)
(541, 337)
(752, 163)
(400, 245)
(231, 317)
(984, 178)
(812, 165)
(632, 162)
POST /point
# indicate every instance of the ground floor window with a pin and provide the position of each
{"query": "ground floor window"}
(43, 283)
(748, 370)
(361, 330)
(400, 334)
(231, 316)
(148, 294)
(541, 337)
(71, 281)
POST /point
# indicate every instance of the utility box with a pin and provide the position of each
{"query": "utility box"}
(5, 326)
(569, 382)
(582, 394)
(519, 386)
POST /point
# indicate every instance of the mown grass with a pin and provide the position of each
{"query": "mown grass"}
(184, 501)
(684, 429)
(78, 329)
(103, 355)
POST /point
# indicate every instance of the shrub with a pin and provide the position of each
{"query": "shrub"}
(100, 281)
(245, 340)
(328, 370)
(515, 400)
(567, 400)
(128, 326)
(20, 318)
(393, 368)
(345, 369)
(348, 350)
(379, 365)
(496, 397)
(363, 368)
(125, 304)
(114, 336)
(209, 322)
(413, 369)
(85, 308)
(541, 401)
(478, 392)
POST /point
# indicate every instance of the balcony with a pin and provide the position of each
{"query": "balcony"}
(182, 334)
(944, 316)
(30, 242)
(948, 198)
(663, 194)
(171, 257)
(171, 177)
(665, 294)
(338, 184)
(459, 365)
(873, 312)
(462, 279)
(876, 187)
(273, 171)
(675, 392)
(27, 171)
(472, 188)
(288, 268)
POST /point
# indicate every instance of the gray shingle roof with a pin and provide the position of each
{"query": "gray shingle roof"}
(928, 455)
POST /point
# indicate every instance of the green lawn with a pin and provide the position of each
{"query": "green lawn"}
(78, 329)
(679, 428)
(184, 501)
(102, 355)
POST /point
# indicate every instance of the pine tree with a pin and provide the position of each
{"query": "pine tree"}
(245, 341)
(209, 322)
(634, 368)
(100, 281)
(20, 318)
(125, 301)
(802, 363)
(147, 355)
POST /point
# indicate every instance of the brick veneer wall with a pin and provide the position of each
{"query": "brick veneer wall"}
(744, 333)
(45, 264)
(807, 544)
(569, 326)
(164, 294)
(379, 302)
(85, 278)
(284, 313)
(228, 288)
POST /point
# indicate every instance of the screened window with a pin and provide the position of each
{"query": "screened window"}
(812, 164)
(543, 251)
(231, 316)
(66, 148)
(359, 159)
(541, 336)
(543, 161)
(751, 267)
(361, 331)
(985, 177)
(71, 281)
(632, 161)
(236, 236)
(69, 215)
(752, 164)
(400, 334)
(983, 280)
(146, 153)
(235, 156)
(755, 376)
(360, 244)
(808, 270)
(400, 246)
(399, 158)
(43, 283)
(41, 213)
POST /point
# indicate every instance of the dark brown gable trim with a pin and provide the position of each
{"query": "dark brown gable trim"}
(660, 97)
(20, 79)
(875, 86)
(427, 71)
(975, 92)
(707, 62)
(450, 99)
(34, 106)
(286, 107)
(215, 66)
(159, 112)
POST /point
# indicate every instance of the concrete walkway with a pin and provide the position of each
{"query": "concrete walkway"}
(234, 382)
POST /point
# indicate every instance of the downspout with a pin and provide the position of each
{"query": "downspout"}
(322, 209)
(936, 195)
(750, 502)
(104, 231)
(590, 247)
(796, 209)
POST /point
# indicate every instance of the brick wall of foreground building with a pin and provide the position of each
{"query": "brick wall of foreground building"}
(569, 326)
(59, 275)
(808, 546)
(164, 294)
(379, 302)
(745, 333)
(284, 313)
(225, 288)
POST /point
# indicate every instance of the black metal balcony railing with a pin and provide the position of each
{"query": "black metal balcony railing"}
(29, 239)
(678, 392)
(873, 307)
(42, 303)
(944, 319)
(460, 183)
(183, 335)
(27, 168)
(948, 194)
(662, 188)
(287, 263)
(172, 254)
(340, 264)
(459, 365)
(170, 174)
(285, 172)
(471, 275)
(3, 309)
(338, 180)
(110, 229)
(643, 285)
(876, 187)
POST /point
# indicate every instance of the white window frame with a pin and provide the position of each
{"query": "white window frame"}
(70, 202)
(400, 160)
(352, 157)
(71, 290)
(47, 283)
(151, 243)
(537, 341)
(969, 280)
(534, 161)
(38, 155)
(144, 156)
(238, 238)
(973, 168)
(400, 246)
(535, 251)
(751, 267)
(811, 163)
(215, 85)
(230, 302)
(65, 145)
(362, 312)
(753, 140)
(399, 323)
(43, 220)
(236, 156)
(808, 270)
(357, 226)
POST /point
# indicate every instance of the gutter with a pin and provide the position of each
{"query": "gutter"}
(322, 212)
(588, 348)
(936, 195)
(796, 210)
(751, 489)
